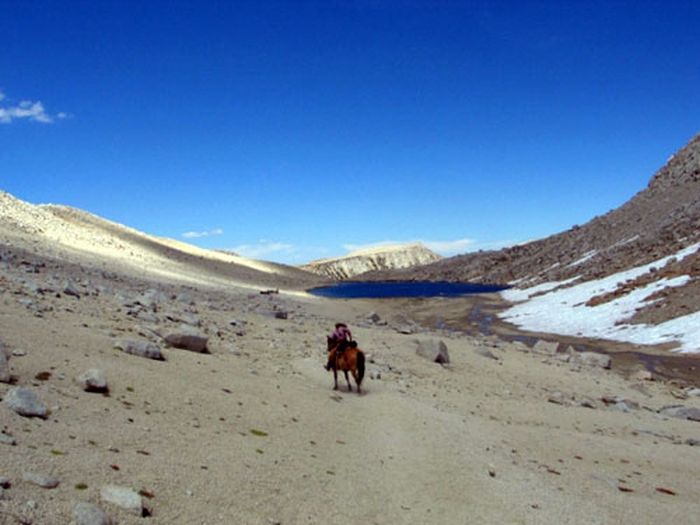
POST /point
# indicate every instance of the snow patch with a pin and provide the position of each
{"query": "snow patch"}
(563, 310)
(587, 256)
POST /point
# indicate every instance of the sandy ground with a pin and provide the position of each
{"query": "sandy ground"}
(252, 433)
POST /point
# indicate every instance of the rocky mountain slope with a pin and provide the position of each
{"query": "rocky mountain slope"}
(373, 259)
(648, 231)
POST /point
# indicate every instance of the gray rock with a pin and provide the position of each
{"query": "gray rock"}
(188, 339)
(190, 319)
(6, 439)
(184, 297)
(433, 349)
(149, 317)
(70, 289)
(586, 402)
(545, 347)
(692, 442)
(122, 497)
(140, 348)
(186, 318)
(5, 482)
(93, 380)
(281, 315)
(693, 392)
(18, 352)
(558, 398)
(152, 299)
(681, 412)
(373, 317)
(620, 403)
(485, 352)
(593, 359)
(88, 514)
(43, 480)
(5, 375)
(25, 402)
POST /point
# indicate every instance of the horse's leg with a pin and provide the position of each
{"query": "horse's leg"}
(335, 377)
(348, 380)
(354, 374)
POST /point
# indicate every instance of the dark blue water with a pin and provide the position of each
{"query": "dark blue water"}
(395, 289)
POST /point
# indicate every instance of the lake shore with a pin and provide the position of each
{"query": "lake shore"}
(478, 315)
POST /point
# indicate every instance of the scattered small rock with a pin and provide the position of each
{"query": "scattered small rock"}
(373, 317)
(93, 380)
(642, 375)
(681, 412)
(5, 482)
(558, 398)
(123, 497)
(70, 289)
(140, 348)
(88, 514)
(593, 359)
(485, 352)
(620, 403)
(545, 347)
(5, 376)
(434, 350)
(43, 480)
(6, 439)
(25, 402)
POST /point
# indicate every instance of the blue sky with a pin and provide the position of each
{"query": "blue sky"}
(290, 131)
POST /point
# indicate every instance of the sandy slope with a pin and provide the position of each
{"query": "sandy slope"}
(70, 234)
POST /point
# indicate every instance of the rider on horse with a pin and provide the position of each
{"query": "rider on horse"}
(342, 338)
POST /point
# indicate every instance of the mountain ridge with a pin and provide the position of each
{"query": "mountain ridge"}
(371, 259)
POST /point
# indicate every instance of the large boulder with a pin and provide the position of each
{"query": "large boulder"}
(25, 402)
(186, 338)
(433, 350)
(140, 348)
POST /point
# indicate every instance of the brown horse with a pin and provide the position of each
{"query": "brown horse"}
(351, 359)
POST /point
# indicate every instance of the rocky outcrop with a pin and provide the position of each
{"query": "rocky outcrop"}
(373, 259)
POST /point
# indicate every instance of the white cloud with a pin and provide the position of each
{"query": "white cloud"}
(197, 235)
(264, 249)
(26, 109)
(448, 248)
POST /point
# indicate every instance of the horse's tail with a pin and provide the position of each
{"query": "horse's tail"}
(360, 366)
